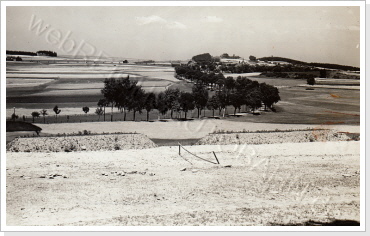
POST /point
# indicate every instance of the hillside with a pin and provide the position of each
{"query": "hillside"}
(316, 64)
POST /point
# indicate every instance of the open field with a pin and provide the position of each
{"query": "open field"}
(297, 105)
(80, 85)
(63, 83)
(272, 184)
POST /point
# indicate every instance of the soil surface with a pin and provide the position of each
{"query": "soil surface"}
(269, 184)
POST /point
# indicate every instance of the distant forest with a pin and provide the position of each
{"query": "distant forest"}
(316, 64)
(40, 53)
(8, 52)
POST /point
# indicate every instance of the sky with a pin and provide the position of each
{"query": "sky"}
(312, 34)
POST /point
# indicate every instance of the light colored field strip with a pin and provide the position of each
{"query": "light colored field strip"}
(331, 86)
(179, 129)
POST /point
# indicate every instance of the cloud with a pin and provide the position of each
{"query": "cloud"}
(213, 19)
(146, 20)
(175, 25)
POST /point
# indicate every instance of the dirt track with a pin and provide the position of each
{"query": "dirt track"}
(266, 184)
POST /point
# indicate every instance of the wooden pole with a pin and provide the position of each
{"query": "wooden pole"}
(179, 150)
(216, 158)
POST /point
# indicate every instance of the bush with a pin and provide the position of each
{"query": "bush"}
(70, 146)
(117, 147)
(87, 132)
(311, 81)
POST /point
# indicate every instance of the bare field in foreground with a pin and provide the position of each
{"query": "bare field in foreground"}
(265, 185)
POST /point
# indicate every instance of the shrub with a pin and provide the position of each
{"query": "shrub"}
(311, 81)
(117, 147)
(87, 132)
(70, 148)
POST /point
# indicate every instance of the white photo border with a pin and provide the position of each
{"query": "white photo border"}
(5, 228)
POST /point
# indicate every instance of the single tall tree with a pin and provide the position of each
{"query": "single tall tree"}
(35, 114)
(86, 110)
(269, 95)
(161, 104)
(236, 100)
(186, 102)
(200, 95)
(223, 100)
(110, 92)
(229, 83)
(171, 97)
(125, 93)
(44, 113)
(254, 99)
(57, 111)
(213, 104)
(150, 103)
(103, 103)
(99, 112)
(136, 103)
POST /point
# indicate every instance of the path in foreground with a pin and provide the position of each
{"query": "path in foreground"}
(266, 184)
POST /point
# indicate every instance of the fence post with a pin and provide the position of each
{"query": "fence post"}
(216, 158)
(179, 150)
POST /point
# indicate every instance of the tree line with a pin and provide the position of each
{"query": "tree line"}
(44, 52)
(126, 95)
(9, 52)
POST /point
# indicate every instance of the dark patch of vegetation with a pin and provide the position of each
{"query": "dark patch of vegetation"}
(12, 126)
(85, 109)
(35, 114)
(318, 223)
(9, 58)
(229, 91)
(205, 57)
(225, 55)
(46, 53)
(9, 52)
(311, 81)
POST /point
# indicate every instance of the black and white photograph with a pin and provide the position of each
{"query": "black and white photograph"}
(217, 115)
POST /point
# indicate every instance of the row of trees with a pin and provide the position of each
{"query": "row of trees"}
(126, 95)
(199, 74)
(218, 67)
(57, 111)
(244, 91)
(43, 112)
(46, 53)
